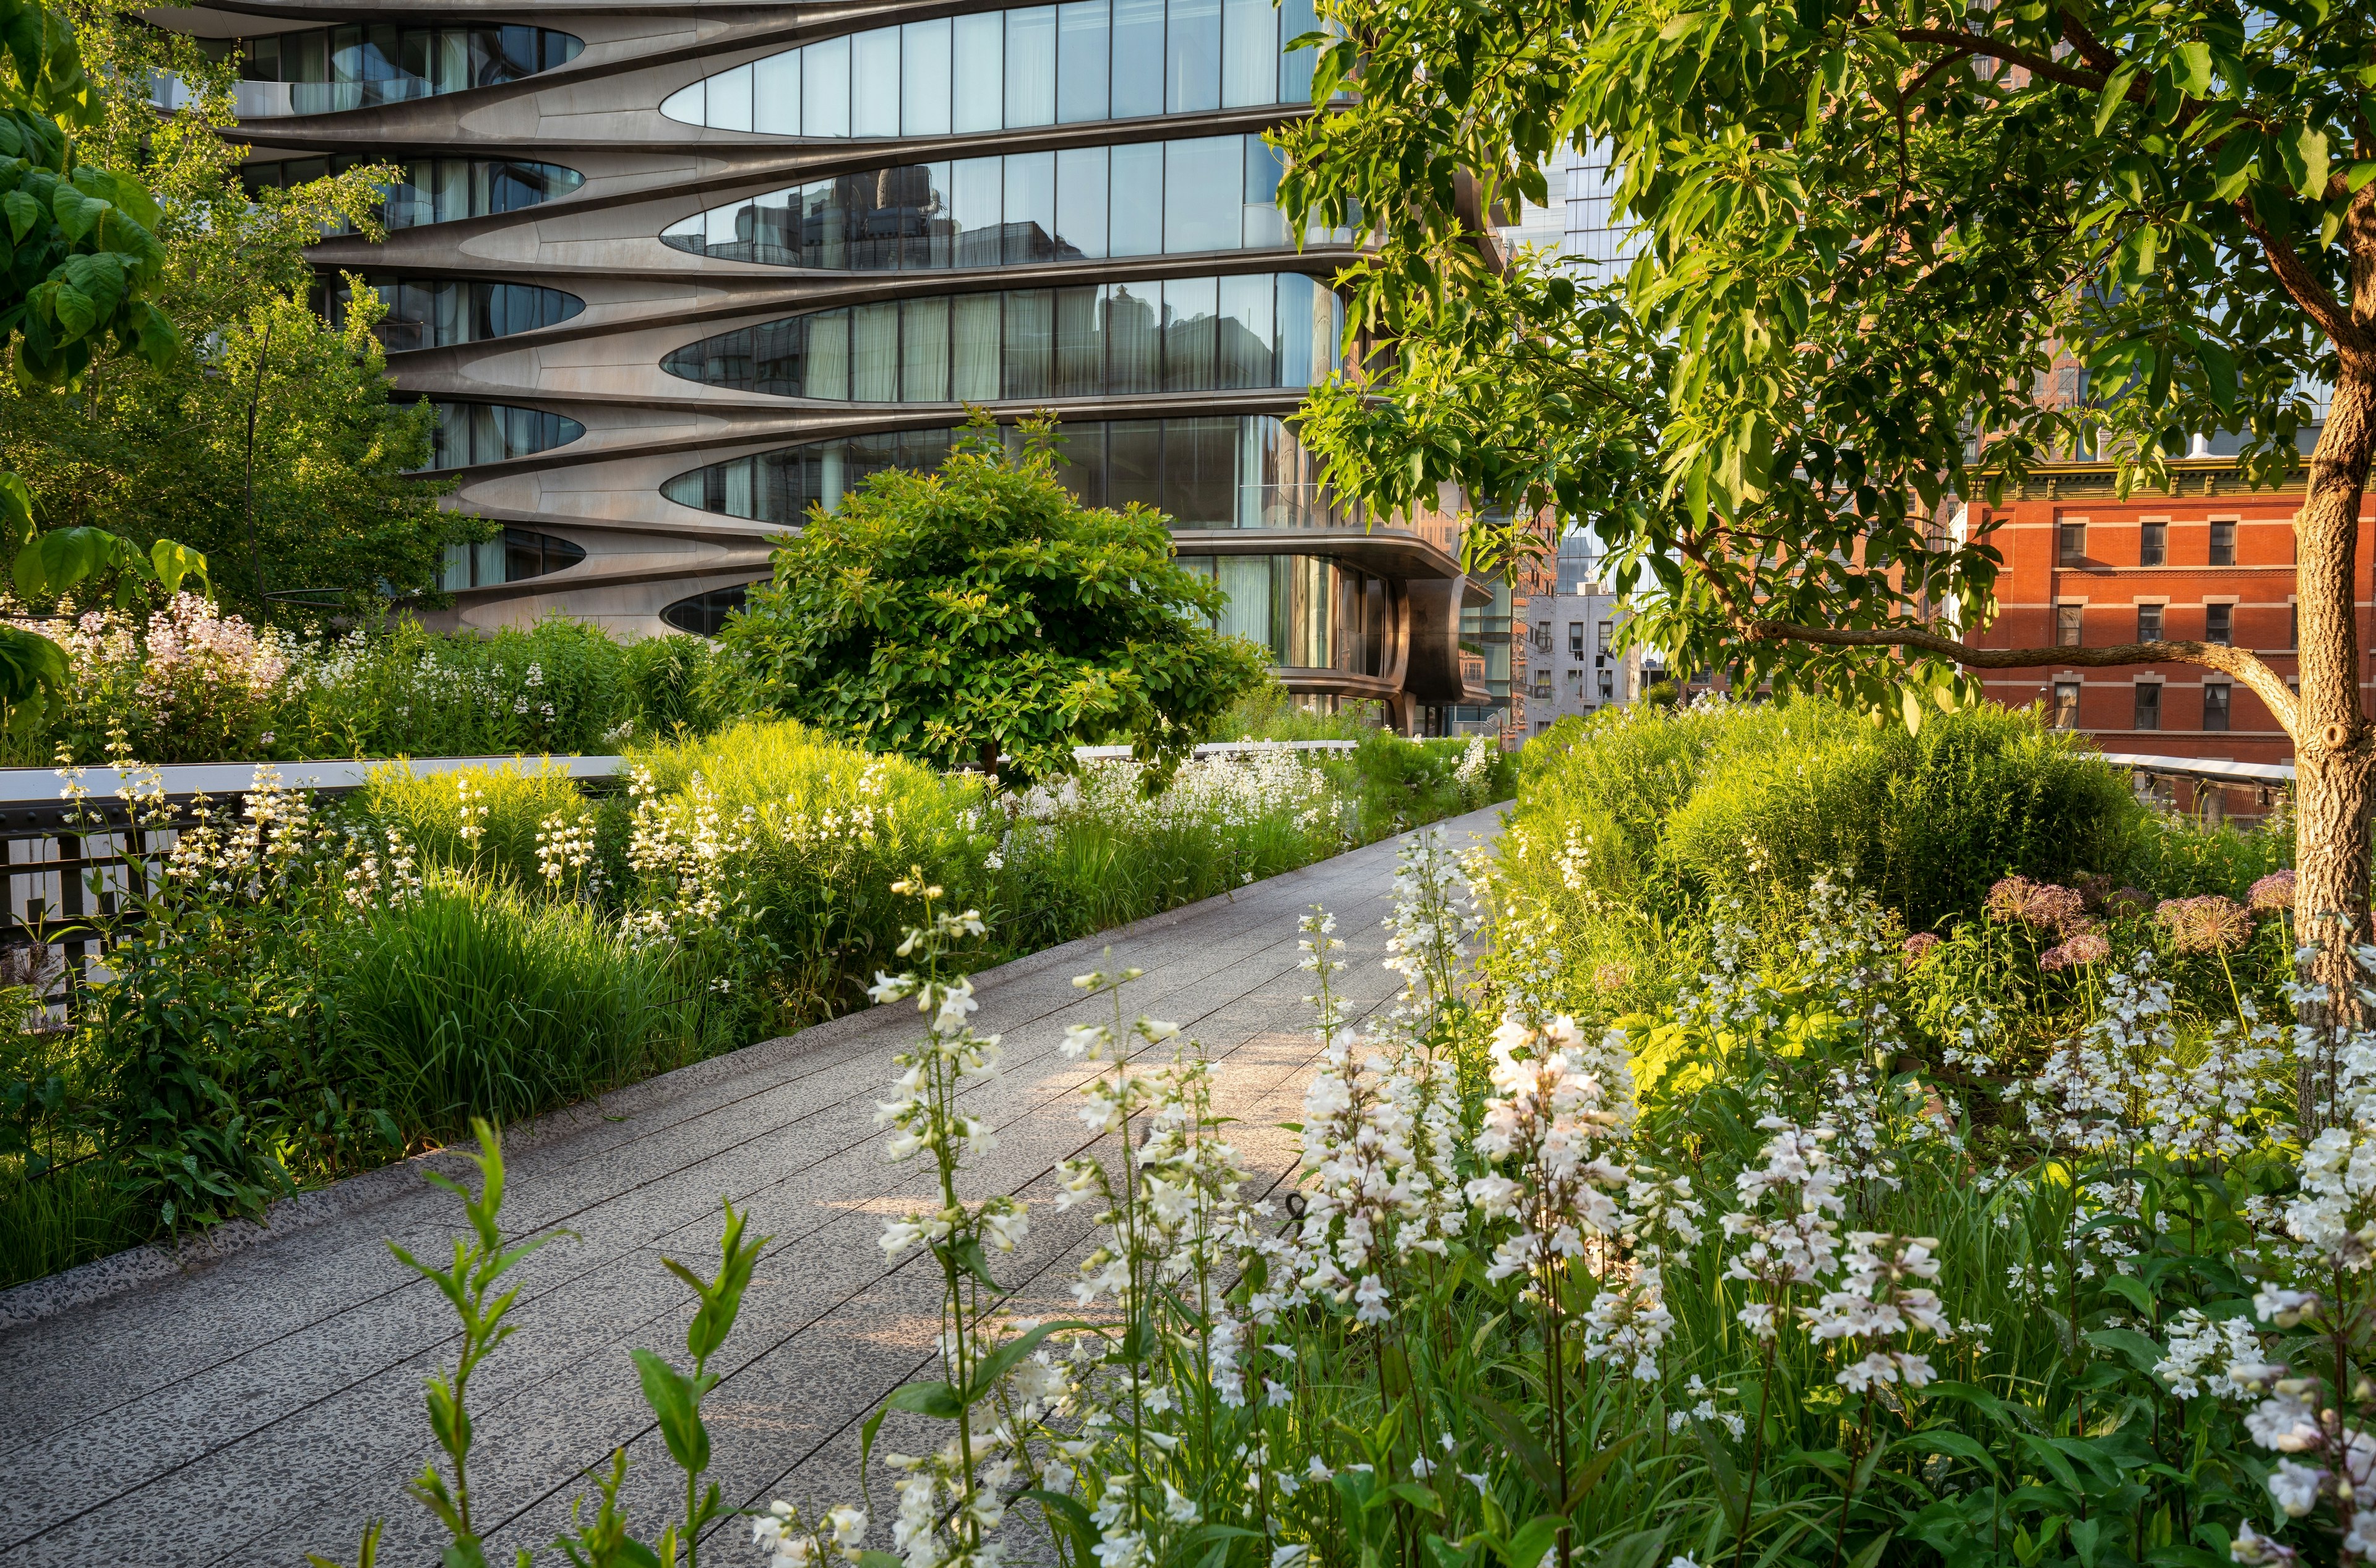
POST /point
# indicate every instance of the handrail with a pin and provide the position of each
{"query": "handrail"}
(2209, 771)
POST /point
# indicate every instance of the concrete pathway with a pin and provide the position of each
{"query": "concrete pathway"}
(266, 1402)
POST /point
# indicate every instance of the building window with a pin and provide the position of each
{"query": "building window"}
(1542, 684)
(2293, 626)
(2148, 715)
(1179, 335)
(1145, 198)
(510, 556)
(2218, 622)
(1602, 645)
(1608, 683)
(2153, 544)
(1208, 471)
(2215, 706)
(435, 313)
(2148, 623)
(703, 613)
(1575, 685)
(330, 70)
(1575, 640)
(2066, 704)
(2071, 544)
(2066, 624)
(1033, 65)
(1543, 638)
(430, 190)
(497, 432)
(2223, 544)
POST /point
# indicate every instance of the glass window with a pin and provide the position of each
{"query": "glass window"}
(1242, 354)
(1084, 47)
(1081, 202)
(1080, 352)
(1030, 338)
(924, 351)
(1189, 307)
(2218, 622)
(1135, 464)
(1200, 472)
(1031, 206)
(2223, 544)
(875, 353)
(979, 71)
(2153, 544)
(1202, 183)
(2071, 543)
(1264, 166)
(1192, 57)
(1249, 53)
(1137, 58)
(824, 89)
(729, 100)
(973, 348)
(1137, 201)
(1133, 343)
(924, 79)
(827, 371)
(876, 85)
(1298, 306)
(1031, 65)
(2215, 705)
(2067, 619)
(1246, 580)
(2066, 704)
(775, 95)
(977, 204)
(2148, 708)
(2148, 623)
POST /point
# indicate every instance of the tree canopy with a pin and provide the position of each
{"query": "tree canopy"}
(952, 615)
(267, 438)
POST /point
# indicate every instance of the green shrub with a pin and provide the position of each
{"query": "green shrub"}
(485, 819)
(1270, 712)
(480, 1001)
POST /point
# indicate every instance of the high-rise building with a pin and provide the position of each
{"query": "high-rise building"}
(672, 274)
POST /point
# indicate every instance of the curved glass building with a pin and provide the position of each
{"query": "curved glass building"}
(672, 274)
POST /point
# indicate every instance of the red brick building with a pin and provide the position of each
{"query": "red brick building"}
(2207, 559)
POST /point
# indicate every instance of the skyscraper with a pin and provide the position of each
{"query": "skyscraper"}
(672, 274)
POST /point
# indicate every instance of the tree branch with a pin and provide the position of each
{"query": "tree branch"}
(2316, 299)
(2043, 65)
(2265, 682)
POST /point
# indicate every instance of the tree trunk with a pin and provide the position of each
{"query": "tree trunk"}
(2334, 755)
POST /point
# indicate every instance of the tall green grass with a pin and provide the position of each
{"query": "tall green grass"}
(507, 806)
(476, 1000)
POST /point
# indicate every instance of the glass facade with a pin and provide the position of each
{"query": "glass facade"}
(1179, 335)
(703, 613)
(1005, 70)
(431, 312)
(325, 70)
(433, 190)
(494, 432)
(1148, 198)
(510, 556)
(1310, 611)
(1219, 472)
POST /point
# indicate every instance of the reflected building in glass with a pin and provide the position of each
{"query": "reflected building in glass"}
(672, 276)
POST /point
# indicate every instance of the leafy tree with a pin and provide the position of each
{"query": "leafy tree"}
(951, 615)
(80, 258)
(270, 442)
(1869, 237)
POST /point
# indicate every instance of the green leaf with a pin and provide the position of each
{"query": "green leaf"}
(1525, 1549)
(23, 212)
(2142, 1352)
(2116, 92)
(2191, 70)
(937, 1400)
(2306, 163)
(1422, 1498)
(675, 1399)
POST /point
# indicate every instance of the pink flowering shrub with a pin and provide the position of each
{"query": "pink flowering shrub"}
(185, 683)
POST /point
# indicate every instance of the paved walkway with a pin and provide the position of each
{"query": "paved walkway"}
(267, 1403)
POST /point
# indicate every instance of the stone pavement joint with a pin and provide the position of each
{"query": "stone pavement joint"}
(260, 1398)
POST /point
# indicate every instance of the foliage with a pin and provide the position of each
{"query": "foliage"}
(954, 615)
(297, 990)
(1864, 240)
(478, 1000)
(1271, 712)
(189, 683)
(257, 433)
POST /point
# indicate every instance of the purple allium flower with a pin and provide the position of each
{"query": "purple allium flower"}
(2043, 906)
(2206, 923)
(2275, 891)
(2090, 946)
(1919, 947)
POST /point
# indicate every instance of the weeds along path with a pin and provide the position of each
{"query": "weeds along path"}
(268, 1404)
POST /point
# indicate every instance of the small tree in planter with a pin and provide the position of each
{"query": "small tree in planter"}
(980, 610)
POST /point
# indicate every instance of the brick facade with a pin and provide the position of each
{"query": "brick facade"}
(2080, 563)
